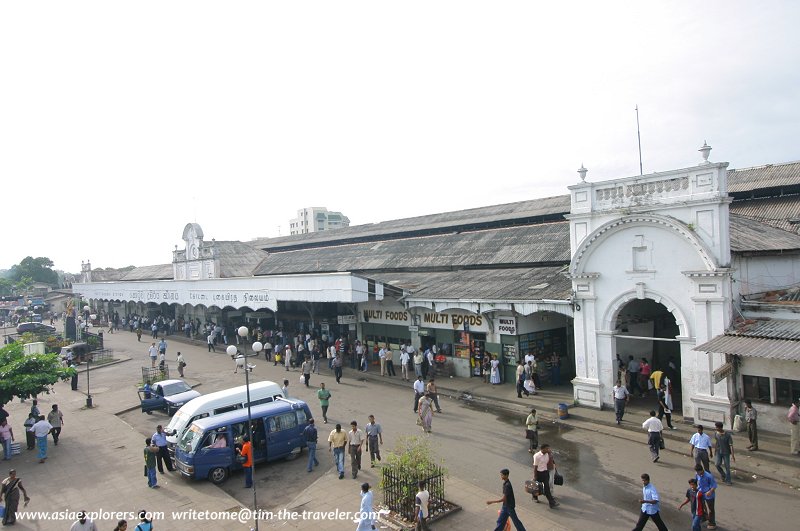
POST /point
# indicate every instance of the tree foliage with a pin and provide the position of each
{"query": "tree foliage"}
(28, 375)
(37, 269)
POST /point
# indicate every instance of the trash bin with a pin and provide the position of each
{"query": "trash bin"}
(563, 411)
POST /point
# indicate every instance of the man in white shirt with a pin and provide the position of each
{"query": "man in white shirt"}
(654, 429)
(529, 358)
(419, 390)
(404, 357)
(41, 429)
(621, 397)
(421, 507)
(382, 356)
(355, 439)
(543, 462)
(83, 523)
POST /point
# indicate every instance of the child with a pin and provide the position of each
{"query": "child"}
(693, 496)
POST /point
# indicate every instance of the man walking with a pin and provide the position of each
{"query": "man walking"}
(543, 463)
(324, 397)
(355, 438)
(153, 353)
(634, 367)
(654, 429)
(337, 440)
(651, 506)
(621, 397)
(374, 440)
(723, 441)
(794, 428)
(337, 367)
(421, 508)
(708, 488)
(210, 340)
(159, 438)
(150, 451)
(56, 419)
(433, 393)
(701, 448)
(692, 499)
(663, 408)
(419, 391)
(750, 416)
(509, 505)
(310, 436)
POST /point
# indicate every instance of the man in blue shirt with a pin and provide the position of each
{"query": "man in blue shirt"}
(650, 506)
(708, 486)
(159, 438)
(701, 447)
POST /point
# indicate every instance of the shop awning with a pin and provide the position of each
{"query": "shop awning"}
(753, 347)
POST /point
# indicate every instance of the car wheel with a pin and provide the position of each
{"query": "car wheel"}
(218, 475)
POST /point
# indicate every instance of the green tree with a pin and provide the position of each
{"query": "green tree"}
(39, 269)
(6, 287)
(28, 375)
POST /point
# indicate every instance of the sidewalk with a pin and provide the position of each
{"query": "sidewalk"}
(772, 460)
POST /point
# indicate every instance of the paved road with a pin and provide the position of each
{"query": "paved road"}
(601, 471)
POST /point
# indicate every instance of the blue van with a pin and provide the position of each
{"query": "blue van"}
(207, 448)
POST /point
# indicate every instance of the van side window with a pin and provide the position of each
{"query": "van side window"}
(301, 416)
(261, 401)
(224, 409)
(239, 430)
(282, 422)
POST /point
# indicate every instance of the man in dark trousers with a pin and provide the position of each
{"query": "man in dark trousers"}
(509, 505)
(543, 463)
(651, 506)
(160, 440)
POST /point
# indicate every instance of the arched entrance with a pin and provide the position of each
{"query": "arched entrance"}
(647, 329)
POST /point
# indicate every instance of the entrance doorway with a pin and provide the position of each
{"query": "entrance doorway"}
(647, 329)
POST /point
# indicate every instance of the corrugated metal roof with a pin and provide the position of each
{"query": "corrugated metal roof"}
(749, 235)
(152, 272)
(547, 206)
(775, 211)
(768, 176)
(759, 338)
(236, 259)
(753, 347)
(525, 245)
(525, 284)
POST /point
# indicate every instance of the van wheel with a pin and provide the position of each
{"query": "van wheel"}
(218, 475)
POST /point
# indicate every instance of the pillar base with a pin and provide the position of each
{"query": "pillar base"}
(587, 392)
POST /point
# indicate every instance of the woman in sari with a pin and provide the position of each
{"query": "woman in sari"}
(10, 495)
(495, 371)
(425, 409)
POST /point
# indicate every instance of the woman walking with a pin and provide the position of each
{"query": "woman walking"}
(425, 411)
(10, 495)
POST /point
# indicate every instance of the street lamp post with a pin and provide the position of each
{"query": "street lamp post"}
(89, 403)
(233, 351)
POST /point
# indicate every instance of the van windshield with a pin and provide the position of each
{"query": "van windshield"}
(190, 439)
(178, 419)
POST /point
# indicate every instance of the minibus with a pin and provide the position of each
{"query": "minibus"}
(207, 449)
(219, 402)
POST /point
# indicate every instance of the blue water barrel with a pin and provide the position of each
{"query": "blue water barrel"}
(563, 411)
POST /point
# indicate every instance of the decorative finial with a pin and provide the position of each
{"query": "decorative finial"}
(582, 172)
(705, 151)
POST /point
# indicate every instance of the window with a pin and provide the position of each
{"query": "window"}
(282, 422)
(756, 388)
(786, 391)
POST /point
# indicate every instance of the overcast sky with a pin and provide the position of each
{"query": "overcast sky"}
(120, 122)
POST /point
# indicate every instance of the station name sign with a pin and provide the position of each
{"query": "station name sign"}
(208, 297)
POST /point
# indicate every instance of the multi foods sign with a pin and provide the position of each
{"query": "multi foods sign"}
(442, 320)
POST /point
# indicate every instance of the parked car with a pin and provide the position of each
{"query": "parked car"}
(35, 328)
(166, 395)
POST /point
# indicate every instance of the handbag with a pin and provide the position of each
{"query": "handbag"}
(419, 421)
(661, 443)
(533, 487)
(530, 434)
(558, 479)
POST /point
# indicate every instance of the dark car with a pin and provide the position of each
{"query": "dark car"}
(166, 395)
(35, 328)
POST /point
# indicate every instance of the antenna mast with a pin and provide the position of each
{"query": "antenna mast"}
(639, 136)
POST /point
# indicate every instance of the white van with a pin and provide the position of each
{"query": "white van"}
(219, 402)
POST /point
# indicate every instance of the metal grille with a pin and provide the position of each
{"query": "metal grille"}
(400, 490)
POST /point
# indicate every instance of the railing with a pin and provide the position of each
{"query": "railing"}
(400, 490)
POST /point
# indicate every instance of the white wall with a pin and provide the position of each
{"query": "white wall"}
(770, 417)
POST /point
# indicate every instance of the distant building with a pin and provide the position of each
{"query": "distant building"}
(316, 219)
